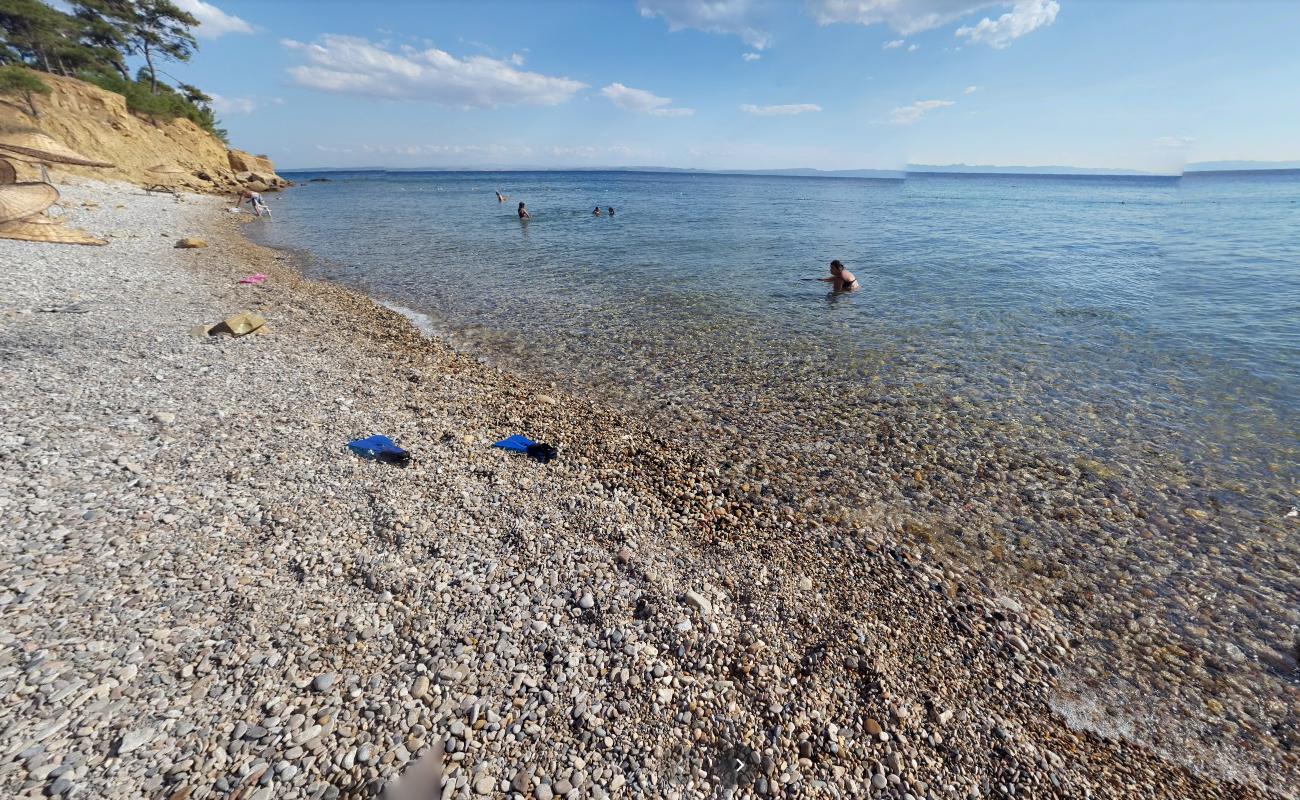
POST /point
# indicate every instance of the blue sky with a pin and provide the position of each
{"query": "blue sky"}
(831, 84)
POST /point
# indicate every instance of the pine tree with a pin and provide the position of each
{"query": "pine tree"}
(162, 29)
(105, 26)
(32, 29)
(43, 37)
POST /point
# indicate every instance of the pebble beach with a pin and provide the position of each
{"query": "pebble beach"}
(204, 594)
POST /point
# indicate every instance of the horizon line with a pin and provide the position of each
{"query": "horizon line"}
(865, 172)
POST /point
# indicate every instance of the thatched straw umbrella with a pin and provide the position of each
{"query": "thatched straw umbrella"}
(19, 200)
(21, 216)
(166, 176)
(49, 231)
(31, 144)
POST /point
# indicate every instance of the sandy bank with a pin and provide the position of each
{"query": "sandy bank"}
(97, 123)
(206, 595)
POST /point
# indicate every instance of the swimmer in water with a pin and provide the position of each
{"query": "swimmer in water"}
(611, 211)
(523, 212)
(841, 280)
(596, 213)
(500, 197)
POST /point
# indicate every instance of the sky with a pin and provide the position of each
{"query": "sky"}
(752, 84)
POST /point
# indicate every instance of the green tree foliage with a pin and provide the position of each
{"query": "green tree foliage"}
(162, 30)
(43, 37)
(21, 82)
(94, 42)
(104, 25)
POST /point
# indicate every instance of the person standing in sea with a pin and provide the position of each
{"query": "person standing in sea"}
(841, 280)
(523, 212)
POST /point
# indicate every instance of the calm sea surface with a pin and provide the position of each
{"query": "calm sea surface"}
(1093, 381)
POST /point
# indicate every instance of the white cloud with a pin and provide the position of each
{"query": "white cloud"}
(913, 16)
(1175, 142)
(213, 22)
(906, 115)
(578, 151)
(232, 105)
(912, 48)
(750, 56)
(639, 100)
(1026, 17)
(352, 65)
(416, 150)
(780, 111)
(971, 90)
(905, 16)
(517, 59)
(446, 149)
(715, 16)
(895, 44)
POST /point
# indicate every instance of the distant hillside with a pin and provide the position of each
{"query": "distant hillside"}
(796, 172)
(993, 169)
(1233, 166)
(886, 174)
(874, 174)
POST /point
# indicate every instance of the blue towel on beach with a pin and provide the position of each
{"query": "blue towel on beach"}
(380, 448)
(544, 453)
(519, 444)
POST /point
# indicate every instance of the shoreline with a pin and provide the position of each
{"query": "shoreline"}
(615, 621)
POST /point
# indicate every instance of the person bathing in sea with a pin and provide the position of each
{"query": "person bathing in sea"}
(523, 212)
(841, 280)
(500, 197)
(596, 213)
(611, 211)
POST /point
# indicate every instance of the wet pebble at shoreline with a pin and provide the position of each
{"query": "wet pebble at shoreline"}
(1171, 567)
(205, 595)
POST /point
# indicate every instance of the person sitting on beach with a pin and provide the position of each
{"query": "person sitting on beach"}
(523, 212)
(611, 211)
(841, 280)
(596, 213)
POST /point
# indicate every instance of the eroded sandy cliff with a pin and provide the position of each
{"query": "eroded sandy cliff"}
(96, 123)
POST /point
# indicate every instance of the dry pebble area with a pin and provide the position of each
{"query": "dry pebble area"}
(203, 594)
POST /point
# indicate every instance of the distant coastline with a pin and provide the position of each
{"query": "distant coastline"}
(913, 170)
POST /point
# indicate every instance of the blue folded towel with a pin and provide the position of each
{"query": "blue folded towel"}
(380, 448)
(519, 444)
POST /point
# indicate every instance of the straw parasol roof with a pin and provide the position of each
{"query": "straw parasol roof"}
(57, 234)
(18, 200)
(168, 169)
(7, 172)
(30, 144)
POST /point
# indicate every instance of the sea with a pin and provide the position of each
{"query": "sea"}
(1090, 384)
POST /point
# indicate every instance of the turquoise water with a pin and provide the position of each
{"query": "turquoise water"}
(1106, 370)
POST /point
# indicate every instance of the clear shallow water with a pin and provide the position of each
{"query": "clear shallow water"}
(1090, 384)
